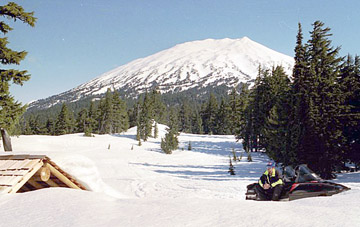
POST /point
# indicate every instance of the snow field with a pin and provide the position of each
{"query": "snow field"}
(142, 186)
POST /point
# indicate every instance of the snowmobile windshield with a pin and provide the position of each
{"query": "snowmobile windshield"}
(289, 174)
(304, 174)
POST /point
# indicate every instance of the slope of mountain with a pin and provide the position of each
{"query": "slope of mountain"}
(191, 65)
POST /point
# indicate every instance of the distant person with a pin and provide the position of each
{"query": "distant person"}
(270, 184)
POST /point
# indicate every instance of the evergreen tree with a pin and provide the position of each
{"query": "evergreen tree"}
(156, 130)
(11, 110)
(106, 114)
(189, 146)
(121, 118)
(146, 117)
(50, 126)
(209, 115)
(197, 126)
(318, 145)
(63, 122)
(261, 104)
(242, 112)
(35, 126)
(276, 124)
(82, 120)
(350, 118)
(170, 142)
(234, 154)
(185, 116)
(235, 112)
(298, 105)
(158, 107)
(231, 168)
(223, 124)
(93, 125)
(249, 158)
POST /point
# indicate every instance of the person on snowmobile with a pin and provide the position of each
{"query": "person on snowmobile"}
(270, 184)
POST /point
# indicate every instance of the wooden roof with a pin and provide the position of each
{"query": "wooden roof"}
(21, 173)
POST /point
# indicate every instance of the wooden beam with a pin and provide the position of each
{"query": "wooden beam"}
(17, 186)
(61, 177)
(52, 183)
(24, 188)
(35, 184)
(43, 173)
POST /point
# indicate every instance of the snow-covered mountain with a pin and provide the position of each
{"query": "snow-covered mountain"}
(197, 64)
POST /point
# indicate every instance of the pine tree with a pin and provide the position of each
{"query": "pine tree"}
(63, 122)
(350, 118)
(318, 145)
(82, 120)
(93, 125)
(146, 117)
(276, 123)
(197, 126)
(258, 110)
(120, 115)
(170, 142)
(209, 114)
(249, 158)
(235, 112)
(35, 126)
(231, 168)
(11, 110)
(189, 146)
(106, 114)
(50, 126)
(156, 130)
(158, 107)
(223, 124)
(185, 116)
(139, 129)
(243, 121)
(298, 102)
(234, 154)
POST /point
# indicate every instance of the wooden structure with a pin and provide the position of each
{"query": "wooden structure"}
(22, 173)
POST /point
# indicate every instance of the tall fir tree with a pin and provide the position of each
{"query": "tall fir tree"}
(298, 106)
(276, 124)
(223, 124)
(63, 123)
(209, 114)
(82, 120)
(235, 112)
(171, 142)
(350, 118)
(321, 134)
(242, 124)
(106, 114)
(146, 117)
(197, 125)
(11, 110)
(185, 116)
(121, 118)
(93, 124)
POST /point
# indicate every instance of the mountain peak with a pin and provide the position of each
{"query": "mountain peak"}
(190, 65)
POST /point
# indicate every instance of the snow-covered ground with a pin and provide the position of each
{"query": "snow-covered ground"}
(141, 186)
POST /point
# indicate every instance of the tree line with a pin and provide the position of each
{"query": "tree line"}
(314, 118)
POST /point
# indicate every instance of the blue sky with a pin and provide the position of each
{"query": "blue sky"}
(75, 41)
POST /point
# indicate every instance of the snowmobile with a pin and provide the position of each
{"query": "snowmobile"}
(300, 183)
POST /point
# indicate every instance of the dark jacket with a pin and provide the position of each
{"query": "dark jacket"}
(273, 180)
